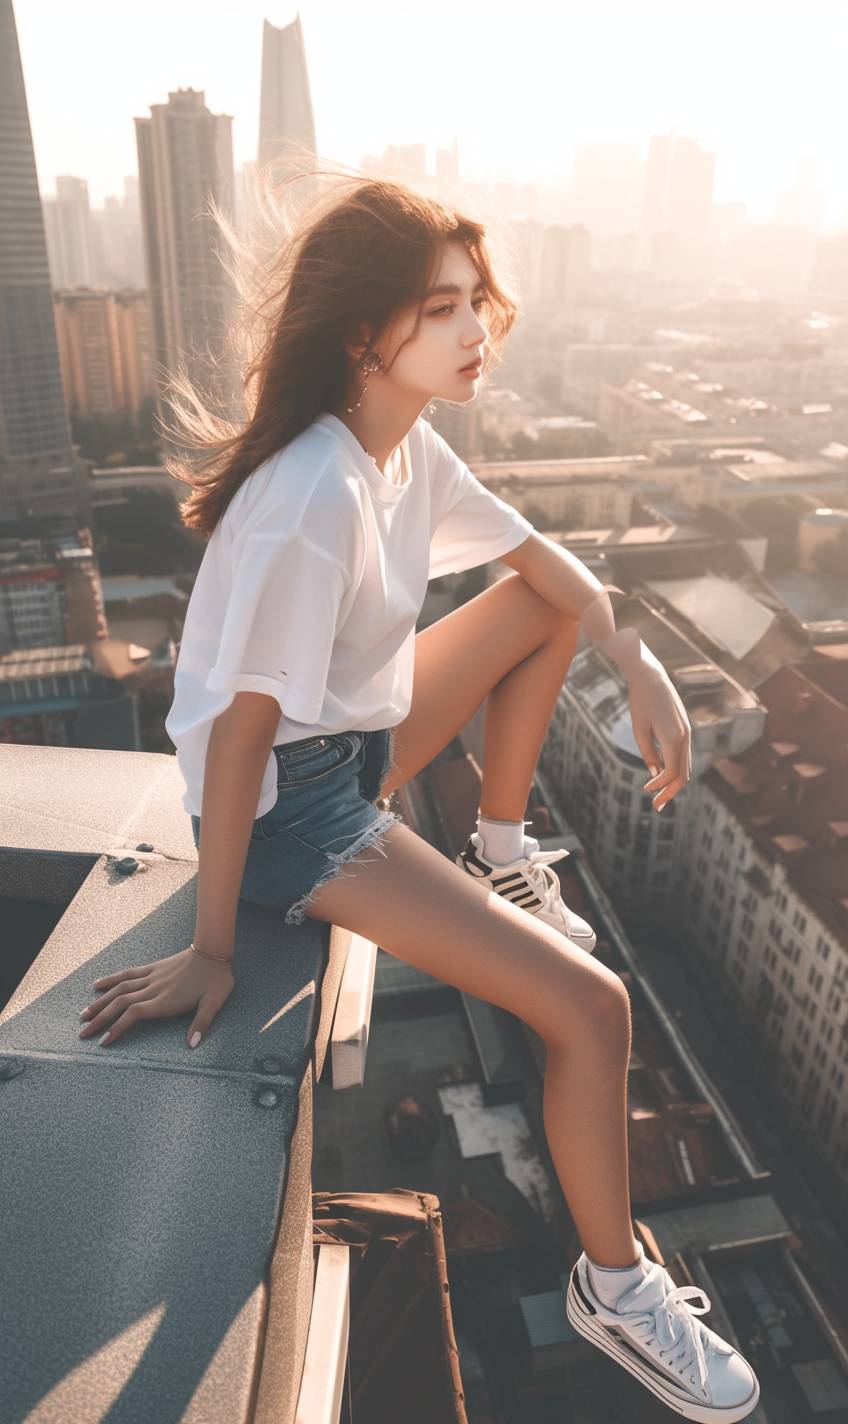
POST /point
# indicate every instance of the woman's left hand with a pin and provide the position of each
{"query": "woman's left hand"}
(658, 716)
(160, 990)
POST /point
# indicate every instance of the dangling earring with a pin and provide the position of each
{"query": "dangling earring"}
(371, 362)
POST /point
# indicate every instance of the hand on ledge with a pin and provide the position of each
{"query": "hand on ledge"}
(160, 990)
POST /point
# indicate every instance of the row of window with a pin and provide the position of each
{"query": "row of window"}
(823, 947)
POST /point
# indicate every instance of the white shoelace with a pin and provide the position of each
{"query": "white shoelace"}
(691, 1344)
(544, 881)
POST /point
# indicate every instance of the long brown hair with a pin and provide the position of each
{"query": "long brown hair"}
(355, 256)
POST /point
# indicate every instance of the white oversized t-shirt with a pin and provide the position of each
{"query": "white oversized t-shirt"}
(311, 584)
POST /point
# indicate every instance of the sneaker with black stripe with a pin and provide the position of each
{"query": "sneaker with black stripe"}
(654, 1334)
(530, 883)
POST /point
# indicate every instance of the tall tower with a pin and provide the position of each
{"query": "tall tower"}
(67, 223)
(286, 124)
(39, 472)
(185, 156)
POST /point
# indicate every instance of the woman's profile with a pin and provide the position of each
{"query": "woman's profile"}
(304, 698)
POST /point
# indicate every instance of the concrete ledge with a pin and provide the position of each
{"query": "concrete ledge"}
(157, 1234)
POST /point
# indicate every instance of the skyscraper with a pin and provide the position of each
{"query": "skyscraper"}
(185, 157)
(286, 124)
(39, 472)
(67, 224)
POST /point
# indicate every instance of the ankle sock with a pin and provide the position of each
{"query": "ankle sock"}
(610, 1282)
(503, 841)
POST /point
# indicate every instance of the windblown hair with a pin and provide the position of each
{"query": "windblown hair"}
(361, 251)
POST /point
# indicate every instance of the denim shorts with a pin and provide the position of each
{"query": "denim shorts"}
(326, 811)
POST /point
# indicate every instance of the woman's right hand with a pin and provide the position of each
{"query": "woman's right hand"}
(160, 990)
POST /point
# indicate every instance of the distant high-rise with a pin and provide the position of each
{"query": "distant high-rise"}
(106, 351)
(39, 473)
(67, 223)
(185, 157)
(286, 123)
(117, 247)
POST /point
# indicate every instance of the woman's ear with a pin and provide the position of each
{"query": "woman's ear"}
(359, 345)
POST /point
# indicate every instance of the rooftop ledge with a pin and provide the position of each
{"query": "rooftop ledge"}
(157, 1236)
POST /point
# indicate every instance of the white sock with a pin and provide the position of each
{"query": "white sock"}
(610, 1282)
(503, 841)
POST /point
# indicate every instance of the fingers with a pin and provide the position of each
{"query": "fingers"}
(658, 716)
(134, 1006)
(206, 1011)
(644, 737)
(208, 1006)
(135, 982)
(676, 770)
(666, 761)
(122, 1007)
(668, 793)
(109, 980)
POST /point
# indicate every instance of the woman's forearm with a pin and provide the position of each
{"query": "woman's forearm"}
(564, 581)
(231, 784)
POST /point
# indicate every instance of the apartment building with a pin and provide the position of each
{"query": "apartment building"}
(591, 757)
(764, 889)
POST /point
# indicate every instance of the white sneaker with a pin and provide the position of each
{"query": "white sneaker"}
(529, 883)
(653, 1333)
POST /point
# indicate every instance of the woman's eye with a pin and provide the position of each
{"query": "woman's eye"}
(437, 311)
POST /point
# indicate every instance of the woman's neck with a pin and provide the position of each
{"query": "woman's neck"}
(380, 433)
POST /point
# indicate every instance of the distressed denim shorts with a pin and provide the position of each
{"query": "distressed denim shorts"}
(326, 811)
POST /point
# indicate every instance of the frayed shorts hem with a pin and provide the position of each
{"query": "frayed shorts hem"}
(374, 836)
(328, 793)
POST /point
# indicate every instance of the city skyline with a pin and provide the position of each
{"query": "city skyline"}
(762, 94)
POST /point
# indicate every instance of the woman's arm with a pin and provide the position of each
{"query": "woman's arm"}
(657, 711)
(239, 743)
(185, 982)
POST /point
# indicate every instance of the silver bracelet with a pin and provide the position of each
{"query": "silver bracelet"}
(220, 959)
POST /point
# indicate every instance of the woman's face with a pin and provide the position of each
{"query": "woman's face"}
(451, 334)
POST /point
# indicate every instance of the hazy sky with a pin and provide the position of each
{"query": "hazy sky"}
(759, 82)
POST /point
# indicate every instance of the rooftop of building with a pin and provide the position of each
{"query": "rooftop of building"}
(717, 596)
(704, 525)
(789, 789)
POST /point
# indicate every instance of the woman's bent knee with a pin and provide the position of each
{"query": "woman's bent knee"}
(604, 1014)
(614, 1011)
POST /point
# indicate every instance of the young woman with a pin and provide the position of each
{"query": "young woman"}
(303, 696)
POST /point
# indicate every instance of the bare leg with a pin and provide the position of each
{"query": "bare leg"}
(518, 713)
(487, 649)
(511, 646)
(417, 905)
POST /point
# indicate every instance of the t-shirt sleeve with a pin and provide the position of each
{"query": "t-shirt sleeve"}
(281, 620)
(470, 525)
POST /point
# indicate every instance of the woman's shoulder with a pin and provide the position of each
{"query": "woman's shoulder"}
(289, 497)
(303, 474)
